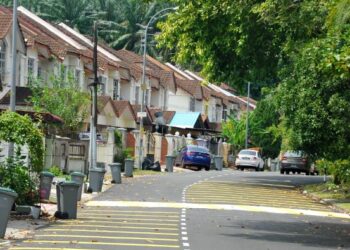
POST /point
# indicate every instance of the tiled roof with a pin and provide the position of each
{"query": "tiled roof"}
(5, 25)
(167, 115)
(121, 106)
(192, 87)
(137, 107)
(228, 88)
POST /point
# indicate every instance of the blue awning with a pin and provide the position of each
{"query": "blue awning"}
(185, 119)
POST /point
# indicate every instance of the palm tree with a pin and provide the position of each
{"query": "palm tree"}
(127, 30)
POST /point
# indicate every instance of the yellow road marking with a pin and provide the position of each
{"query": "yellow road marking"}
(216, 183)
(218, 207)
(101, 243)
(125, 219)
(135, 215)
(109, 231)
(108, 237)
(121, 227)
(130, 211)
(116, 223)
(246, 195)
(264, 205)
(253, 200)
(46, 248)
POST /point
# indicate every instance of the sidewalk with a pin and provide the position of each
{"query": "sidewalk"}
(23, 227)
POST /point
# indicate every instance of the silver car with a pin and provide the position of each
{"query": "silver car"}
(248, 158)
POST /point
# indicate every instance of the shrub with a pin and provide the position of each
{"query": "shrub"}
(56, 171)
(16, 176)
(339, 169)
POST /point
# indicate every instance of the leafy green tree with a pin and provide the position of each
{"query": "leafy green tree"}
(62, 97)
(266, 132)
(234, 130)
(314, 95)
(226, 38)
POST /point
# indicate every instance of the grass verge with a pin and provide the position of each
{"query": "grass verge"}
(138, 172)
(337, 195)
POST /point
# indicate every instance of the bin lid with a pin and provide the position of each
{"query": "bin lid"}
(100, 170)
(115, 164)
(48, 174)
(8, 191)
(78, 174)
(129, 159)
(69, 183)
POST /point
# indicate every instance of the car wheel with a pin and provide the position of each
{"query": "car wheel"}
(307, 173)
(207, 168)
(282, 171)
(257, 169)
(183, 164)
(287, 172)
(299, 172)
(293, 172)
(242, 168)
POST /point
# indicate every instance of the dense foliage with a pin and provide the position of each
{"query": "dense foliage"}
(120, 21)
(61, 96)
(22, 131)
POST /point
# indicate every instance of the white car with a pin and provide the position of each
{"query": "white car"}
(248, 158)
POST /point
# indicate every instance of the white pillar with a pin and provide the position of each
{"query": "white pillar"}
(170, 140)
(136, 134)
(123, 132)
(189, 140)
(158, 146)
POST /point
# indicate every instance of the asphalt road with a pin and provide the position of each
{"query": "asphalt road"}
(201, 211)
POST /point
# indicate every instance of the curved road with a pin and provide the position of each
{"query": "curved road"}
(201, 211)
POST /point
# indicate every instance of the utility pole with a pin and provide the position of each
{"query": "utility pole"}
(247, 122)
(14, 70)
(143, 79)
(93, 146)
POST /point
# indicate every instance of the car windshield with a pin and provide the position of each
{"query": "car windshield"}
(198, 149)
(293, 154)
(247, 152)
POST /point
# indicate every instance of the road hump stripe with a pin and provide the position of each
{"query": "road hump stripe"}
(217, 207)
(101, 243)
(119, 227)
(110, 231)
(105, 237)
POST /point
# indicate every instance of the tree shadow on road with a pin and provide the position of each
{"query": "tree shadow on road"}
(313, 234)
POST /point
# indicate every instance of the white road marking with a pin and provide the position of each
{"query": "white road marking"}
(227, 207)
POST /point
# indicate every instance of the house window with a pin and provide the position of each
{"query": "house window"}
(165, 99)
(137, 94)
(192, 104)
(31, 62)
(102, 86)
(2, 60)
(77, 76)
(40, 72)
(224, 114)
(147, 96)
(64, 72)
(115, 89)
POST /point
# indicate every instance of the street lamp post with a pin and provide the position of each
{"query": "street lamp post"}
(247, 122)
(143, 85)
(14, 70)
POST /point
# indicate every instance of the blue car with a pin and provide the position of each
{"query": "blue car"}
(193, 155)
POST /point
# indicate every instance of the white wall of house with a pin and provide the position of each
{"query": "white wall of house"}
(156, 97)
(126, 90)
(21, 59)
(126, 120)
(180, 101)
